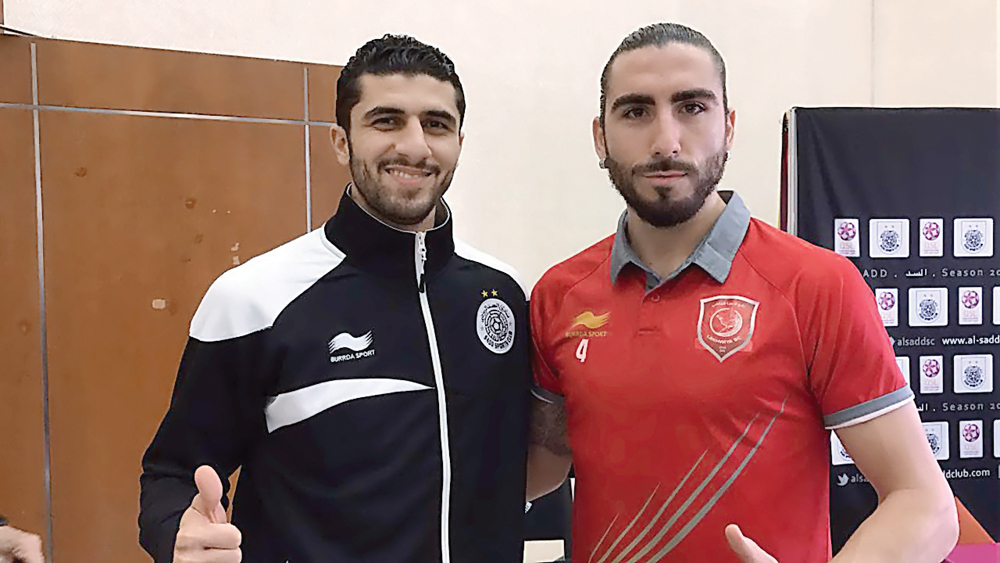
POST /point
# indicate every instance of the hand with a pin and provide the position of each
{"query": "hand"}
(19, 547)
(205, 534)
(745, 548)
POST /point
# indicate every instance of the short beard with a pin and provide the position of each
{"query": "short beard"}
(378, 198)
(664, 211)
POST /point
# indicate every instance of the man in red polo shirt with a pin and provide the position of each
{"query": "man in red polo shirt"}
(692, 366)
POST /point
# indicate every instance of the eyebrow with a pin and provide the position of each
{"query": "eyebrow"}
(694, 94)
(629, 99)
(682, 96)
(389, 110)
(441, 114)
(383, 110)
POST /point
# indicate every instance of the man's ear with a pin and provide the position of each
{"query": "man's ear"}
(599, 146)
(339, 137)
(730, 129)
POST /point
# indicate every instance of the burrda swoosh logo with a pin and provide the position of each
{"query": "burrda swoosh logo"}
(347, 341)
(590, 320)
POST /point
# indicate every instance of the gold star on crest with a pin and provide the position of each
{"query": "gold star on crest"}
(495, 293)
(485, 294)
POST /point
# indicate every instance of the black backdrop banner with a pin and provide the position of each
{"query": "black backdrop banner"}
(911, 197)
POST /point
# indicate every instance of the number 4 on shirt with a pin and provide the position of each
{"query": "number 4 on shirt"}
(581, 350)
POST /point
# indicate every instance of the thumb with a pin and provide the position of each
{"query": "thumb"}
(208, 501)
(745, 548)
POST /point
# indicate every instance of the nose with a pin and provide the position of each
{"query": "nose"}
(412, 141)
(667, 135)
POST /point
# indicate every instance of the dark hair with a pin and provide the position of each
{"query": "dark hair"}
(660, 35)
(393, 54)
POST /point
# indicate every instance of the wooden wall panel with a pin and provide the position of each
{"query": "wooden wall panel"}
(22, 469)
(328, 177)
(141, 215)
(322, 92)
(15, 69)
(107, 76)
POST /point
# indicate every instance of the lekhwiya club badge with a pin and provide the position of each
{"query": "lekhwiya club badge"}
(726, 323)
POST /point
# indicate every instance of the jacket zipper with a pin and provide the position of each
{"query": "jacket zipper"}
(420, 258)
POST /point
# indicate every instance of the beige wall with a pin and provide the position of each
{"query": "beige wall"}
(528, 188)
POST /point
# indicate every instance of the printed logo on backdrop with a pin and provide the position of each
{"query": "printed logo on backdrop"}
(839, 454)
(929, 309)
(974, 373)
(889, 238)
(931, 230)
(845, 238)
(972, 439)
(903, 363)
(973, 238)
(726, 324)
(847, 231)
(970, 298)
(357, 346)
(931, 376)
(937, 438)
(495, 325)
(996, 438)
(931, 239)
(935, 441)
(996, 305)
(928, 306)
(974, 376)
(888, 305)
(970, 305)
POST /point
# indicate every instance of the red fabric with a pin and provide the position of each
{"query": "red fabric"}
(670, 444)
(975, 553)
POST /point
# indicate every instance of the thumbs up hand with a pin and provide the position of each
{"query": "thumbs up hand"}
(745, 548)
(205, 535)
(19, 547)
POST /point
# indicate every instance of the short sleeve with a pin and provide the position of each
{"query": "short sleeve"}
(546, 382)
(852, 367)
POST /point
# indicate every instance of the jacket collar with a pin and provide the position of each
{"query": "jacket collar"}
(375, 246)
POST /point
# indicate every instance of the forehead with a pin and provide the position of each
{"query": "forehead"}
(411, 93)
(663, 70)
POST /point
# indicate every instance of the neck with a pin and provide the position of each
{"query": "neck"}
(664, 249)
(425, 224)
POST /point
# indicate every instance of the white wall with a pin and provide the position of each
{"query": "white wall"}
(528, 187)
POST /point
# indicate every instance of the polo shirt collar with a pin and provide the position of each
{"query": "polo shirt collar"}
(714, 254)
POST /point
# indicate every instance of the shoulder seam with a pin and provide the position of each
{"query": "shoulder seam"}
(791, 305)
(500, 266)
(584, 277)
(228, 310)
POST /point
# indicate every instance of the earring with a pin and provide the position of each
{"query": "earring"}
(603, 163)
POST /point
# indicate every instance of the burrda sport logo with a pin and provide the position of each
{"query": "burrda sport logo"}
(358, 346)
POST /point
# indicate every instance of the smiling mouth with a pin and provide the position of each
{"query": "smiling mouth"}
(408, 172)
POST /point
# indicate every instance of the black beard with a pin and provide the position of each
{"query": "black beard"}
(377, 197)
(665, 211)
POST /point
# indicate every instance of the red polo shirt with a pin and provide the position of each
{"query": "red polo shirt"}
(707, 398)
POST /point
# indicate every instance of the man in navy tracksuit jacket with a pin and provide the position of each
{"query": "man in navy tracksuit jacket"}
(369, 378)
